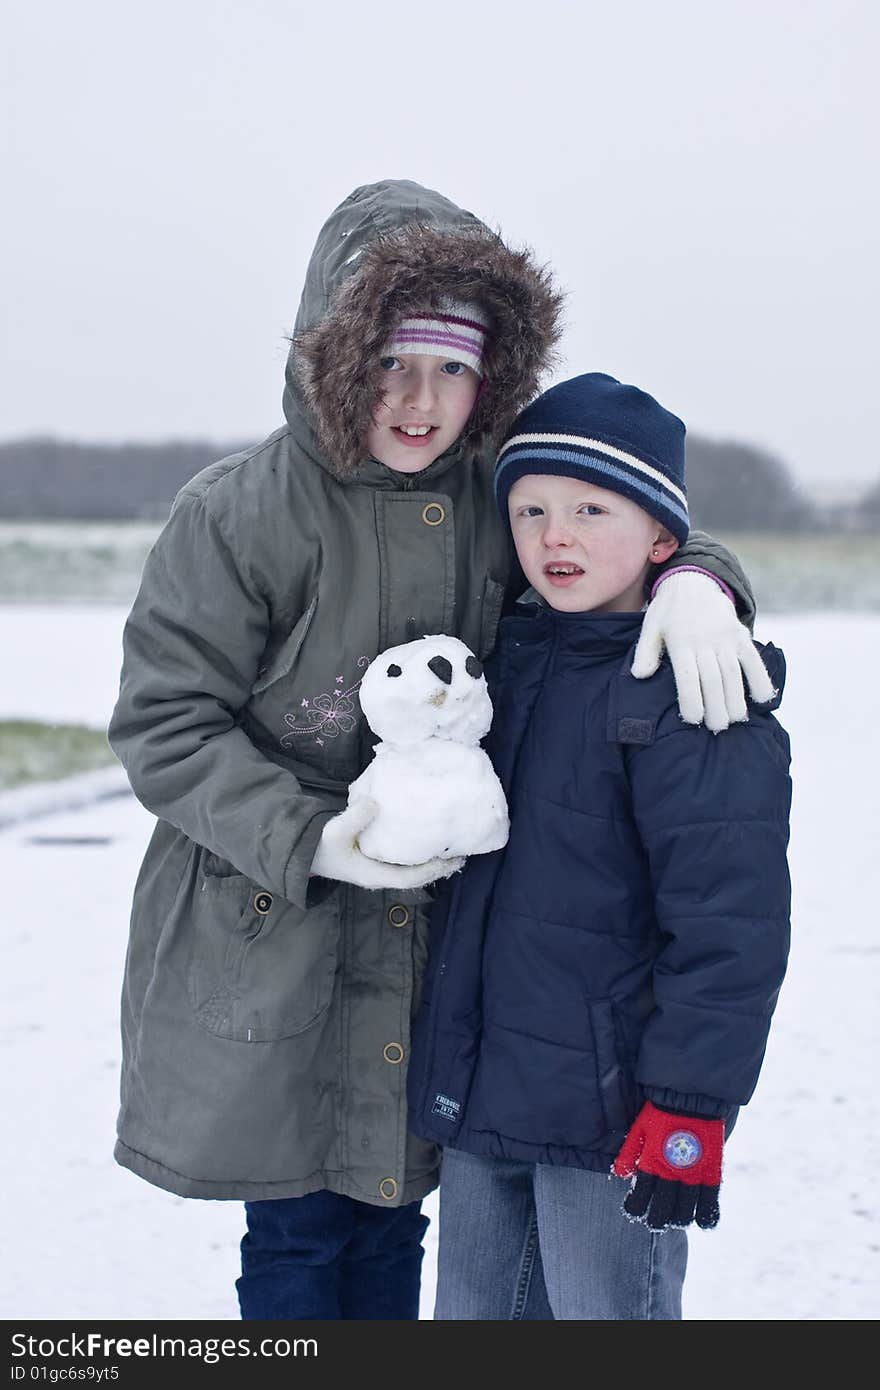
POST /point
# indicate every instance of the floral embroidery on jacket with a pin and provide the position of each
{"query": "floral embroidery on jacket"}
(329, 714)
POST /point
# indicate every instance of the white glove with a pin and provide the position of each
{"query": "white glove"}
(709, 648)
(339, 856)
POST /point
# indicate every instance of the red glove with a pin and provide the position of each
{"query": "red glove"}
(675, 1163)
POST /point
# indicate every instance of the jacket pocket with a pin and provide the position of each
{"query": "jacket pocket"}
(282, 662)
(612, 1073)
(260, 968)
(490, 615)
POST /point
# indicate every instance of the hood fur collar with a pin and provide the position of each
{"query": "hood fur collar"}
(334, 363)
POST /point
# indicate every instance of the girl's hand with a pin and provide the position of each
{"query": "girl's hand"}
(711, 651)
(339, 856)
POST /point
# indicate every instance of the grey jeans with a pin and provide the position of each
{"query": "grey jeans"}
(531, 1241)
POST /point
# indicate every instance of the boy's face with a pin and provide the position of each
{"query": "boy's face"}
(431, 396)
(583, 548)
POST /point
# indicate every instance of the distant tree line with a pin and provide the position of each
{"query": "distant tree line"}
(731, 486)
(738, 487)
(870, 503)
(55, 479)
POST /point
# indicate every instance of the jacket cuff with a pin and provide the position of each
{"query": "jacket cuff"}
(690, 1103)
(299, 887)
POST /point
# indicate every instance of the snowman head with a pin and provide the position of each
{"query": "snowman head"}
(433, 687)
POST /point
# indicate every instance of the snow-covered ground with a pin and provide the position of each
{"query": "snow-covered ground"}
(799, 1236)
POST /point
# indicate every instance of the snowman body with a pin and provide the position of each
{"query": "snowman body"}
(435, 790)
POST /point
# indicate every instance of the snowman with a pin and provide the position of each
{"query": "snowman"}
(435, 789)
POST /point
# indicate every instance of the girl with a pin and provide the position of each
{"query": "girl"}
(272, 969)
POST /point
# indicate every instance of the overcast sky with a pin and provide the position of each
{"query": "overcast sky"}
(702, 177)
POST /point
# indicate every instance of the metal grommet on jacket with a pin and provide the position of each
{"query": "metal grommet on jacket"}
(393, 1052)
(433, 514)
(262, 903)
(398, 915)
(388, 1189)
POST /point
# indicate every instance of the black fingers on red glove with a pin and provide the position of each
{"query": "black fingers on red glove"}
(661, 1203)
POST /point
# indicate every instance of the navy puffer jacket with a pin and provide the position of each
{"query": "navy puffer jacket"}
(630, 940)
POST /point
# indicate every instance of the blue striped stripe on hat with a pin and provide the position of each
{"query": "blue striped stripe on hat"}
(616, 436)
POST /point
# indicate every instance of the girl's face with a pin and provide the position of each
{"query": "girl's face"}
(426, 402)
(584, 548)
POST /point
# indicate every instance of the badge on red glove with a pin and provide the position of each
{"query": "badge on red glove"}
(675, 1163)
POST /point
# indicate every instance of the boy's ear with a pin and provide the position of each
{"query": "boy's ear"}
(663, 545)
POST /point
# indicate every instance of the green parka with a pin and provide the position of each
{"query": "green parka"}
(266, 1014)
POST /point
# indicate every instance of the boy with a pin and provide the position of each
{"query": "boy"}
(600, 992)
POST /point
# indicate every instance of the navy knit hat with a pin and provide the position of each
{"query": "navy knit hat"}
(616, 436)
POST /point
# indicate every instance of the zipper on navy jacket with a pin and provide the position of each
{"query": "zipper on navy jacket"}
(457, 889)
(435, 997)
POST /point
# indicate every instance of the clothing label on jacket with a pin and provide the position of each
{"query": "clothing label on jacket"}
(448, 1108)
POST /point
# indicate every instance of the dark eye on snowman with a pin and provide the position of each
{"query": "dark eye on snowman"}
(474, 667)
(393, 670)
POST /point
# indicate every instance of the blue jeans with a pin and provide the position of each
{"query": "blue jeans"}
(325, 1256)
(509, 1231)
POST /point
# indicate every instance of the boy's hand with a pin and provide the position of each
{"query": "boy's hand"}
(711, 651)
(339, 856)
(675, 1163)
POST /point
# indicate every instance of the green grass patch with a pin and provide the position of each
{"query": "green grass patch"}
(792, 574)
(102, 561)
(73, 562)
(33, 752)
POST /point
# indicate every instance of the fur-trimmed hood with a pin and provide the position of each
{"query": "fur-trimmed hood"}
(391, 249)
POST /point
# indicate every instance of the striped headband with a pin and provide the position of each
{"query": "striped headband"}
(455, 330)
